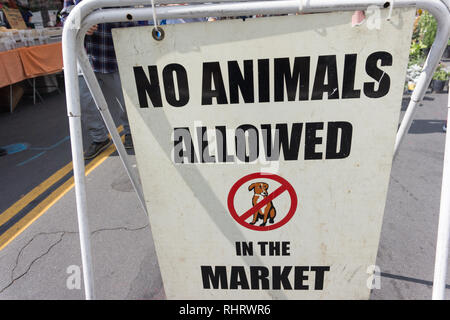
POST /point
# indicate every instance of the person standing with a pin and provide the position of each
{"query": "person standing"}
(100, 50)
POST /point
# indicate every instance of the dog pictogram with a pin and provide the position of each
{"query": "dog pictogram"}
(262, 206)
(266, 212)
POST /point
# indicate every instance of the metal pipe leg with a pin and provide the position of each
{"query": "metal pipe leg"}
(34, 90)
(80, 192)
(10, 98)
(431, 63)
(443, 238)
(76, 140)
(102, 106)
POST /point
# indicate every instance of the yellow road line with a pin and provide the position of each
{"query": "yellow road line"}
(37, 191)
(48, 202)
(33, 194)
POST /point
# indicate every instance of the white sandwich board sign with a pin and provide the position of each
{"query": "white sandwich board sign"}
(264, 148)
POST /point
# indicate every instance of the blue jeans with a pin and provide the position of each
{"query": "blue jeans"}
(90, 116)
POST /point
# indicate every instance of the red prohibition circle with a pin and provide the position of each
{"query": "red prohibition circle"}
(285, 186)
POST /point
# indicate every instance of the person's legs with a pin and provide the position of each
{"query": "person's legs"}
(92, 120)
(90, 115)
(113, 88)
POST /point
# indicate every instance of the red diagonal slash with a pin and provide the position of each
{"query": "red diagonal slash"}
(284, 186)
(262, 203)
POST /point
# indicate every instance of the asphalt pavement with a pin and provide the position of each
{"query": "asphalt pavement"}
(408, 238)
(40, 254)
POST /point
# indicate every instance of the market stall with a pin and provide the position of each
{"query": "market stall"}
(30, 47)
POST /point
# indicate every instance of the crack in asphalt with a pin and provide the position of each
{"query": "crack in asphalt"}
(32, 262)
(63, 233)
(405, 189)
(119, 228)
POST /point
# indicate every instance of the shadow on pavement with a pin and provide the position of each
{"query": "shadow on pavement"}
(426, 126)
(407, 98)
(414, 280)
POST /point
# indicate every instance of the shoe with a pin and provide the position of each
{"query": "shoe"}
(95, 148)
(3, 152)
(128, 143)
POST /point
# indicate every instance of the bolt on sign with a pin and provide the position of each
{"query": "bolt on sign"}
(264, 148)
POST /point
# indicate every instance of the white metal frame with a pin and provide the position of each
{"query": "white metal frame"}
(91, 12)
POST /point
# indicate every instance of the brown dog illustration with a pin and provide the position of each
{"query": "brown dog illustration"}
(268, 211)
